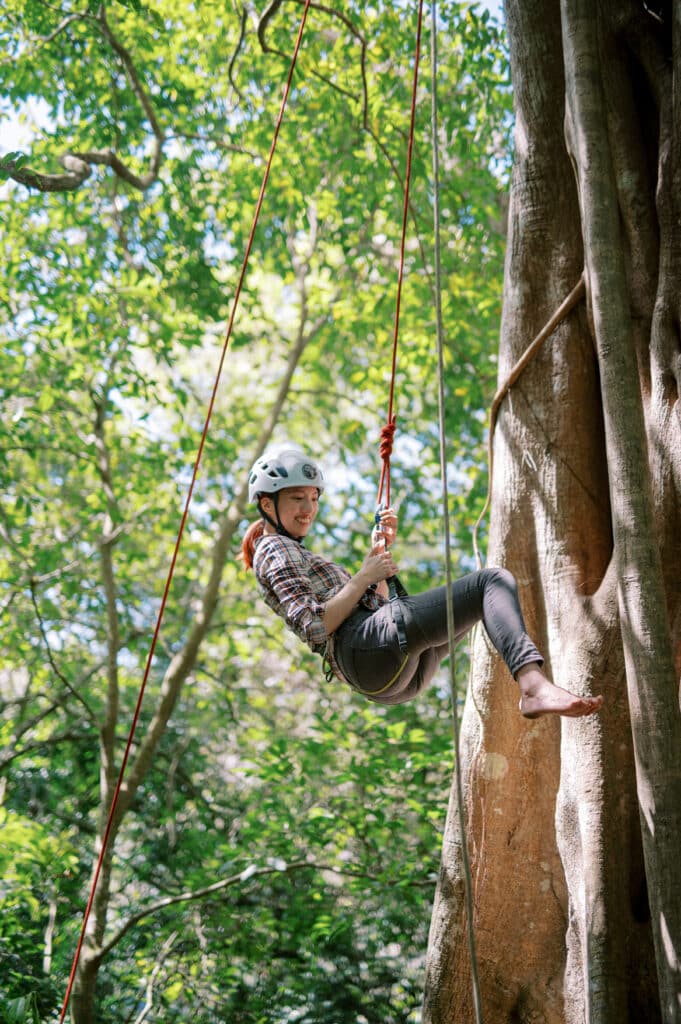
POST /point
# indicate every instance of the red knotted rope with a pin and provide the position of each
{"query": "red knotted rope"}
(385, 450)
(388, 430)
(138, 707)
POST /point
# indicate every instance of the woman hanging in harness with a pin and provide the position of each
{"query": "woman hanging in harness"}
(388, 649)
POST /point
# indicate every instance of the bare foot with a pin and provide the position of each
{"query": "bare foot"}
(539, 696)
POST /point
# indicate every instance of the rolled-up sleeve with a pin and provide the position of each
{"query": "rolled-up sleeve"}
(283, 571)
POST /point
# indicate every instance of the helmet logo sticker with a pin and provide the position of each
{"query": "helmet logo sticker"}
(308, 471)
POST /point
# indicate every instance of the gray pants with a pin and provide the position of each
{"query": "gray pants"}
(372, 659)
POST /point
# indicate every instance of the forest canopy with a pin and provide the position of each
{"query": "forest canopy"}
(278, 841)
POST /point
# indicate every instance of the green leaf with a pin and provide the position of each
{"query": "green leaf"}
(23, 1010)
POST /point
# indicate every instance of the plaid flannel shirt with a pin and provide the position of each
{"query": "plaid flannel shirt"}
(297, 585)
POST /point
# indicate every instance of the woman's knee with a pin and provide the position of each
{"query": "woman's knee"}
(495, 576)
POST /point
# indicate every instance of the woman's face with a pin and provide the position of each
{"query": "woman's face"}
(298, 507)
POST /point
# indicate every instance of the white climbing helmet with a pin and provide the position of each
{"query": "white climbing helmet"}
(284, 466)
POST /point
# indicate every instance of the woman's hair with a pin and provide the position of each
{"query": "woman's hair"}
(251, 536)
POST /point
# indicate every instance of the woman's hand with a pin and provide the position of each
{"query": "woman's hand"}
(379, 564)
(377, 567)
(386, 530)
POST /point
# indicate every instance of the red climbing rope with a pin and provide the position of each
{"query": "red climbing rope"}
(171, 571)
(388, 430)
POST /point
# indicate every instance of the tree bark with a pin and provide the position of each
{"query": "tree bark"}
(646, 640)
(585, 513)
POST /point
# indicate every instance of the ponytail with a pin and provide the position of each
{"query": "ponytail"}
(251, 536)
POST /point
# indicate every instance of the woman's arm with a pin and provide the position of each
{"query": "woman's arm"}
(377, 567)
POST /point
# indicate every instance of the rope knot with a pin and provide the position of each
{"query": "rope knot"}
(387, 436)
(385, 451)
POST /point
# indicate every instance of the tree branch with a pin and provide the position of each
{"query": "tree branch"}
(136, 83)
(267, 16)
(39, 41)
(149, 1001)
(226, 883)
(91, 716)
(219, 142)
(72, 735)
(78, 166)
(183, 662)
(233, 58)
(108, 729)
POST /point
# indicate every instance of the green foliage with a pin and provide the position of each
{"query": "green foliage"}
(20, 1011)
(11, 162)
(345, 804)
(116, 302)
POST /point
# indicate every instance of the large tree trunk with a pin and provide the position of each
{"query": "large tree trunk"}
(562, 817)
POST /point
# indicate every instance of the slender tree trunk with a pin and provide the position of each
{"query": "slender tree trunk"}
(83, 1002)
